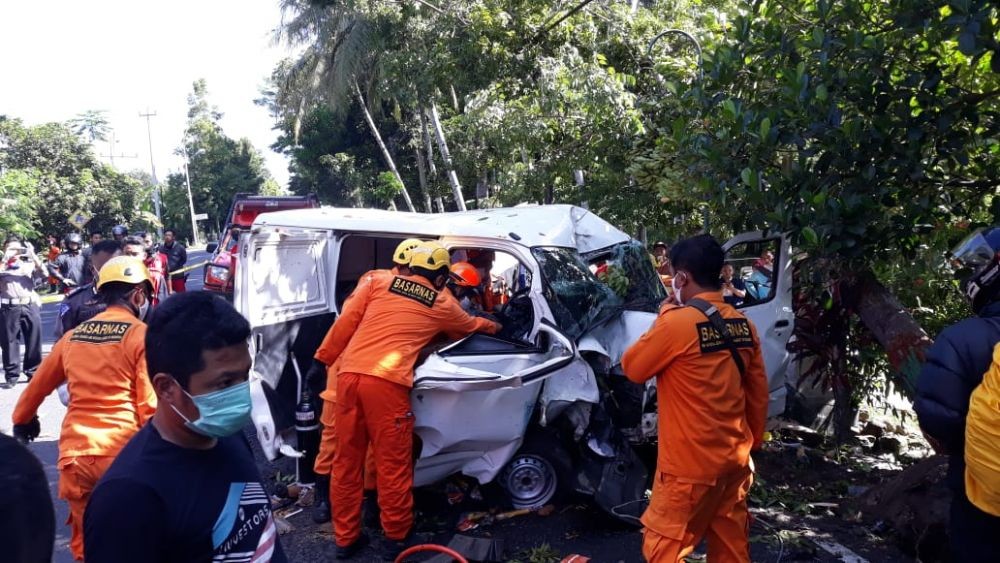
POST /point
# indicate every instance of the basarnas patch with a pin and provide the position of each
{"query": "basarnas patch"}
(711, 341)
(413, 290)
(100, 332)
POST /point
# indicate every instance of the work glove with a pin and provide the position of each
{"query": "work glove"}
(316, 378)
(69, 283)
(25, 433)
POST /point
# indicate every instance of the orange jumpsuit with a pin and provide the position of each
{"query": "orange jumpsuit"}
(377, 340)
(709, 421)
(104, 362)
(328, 439)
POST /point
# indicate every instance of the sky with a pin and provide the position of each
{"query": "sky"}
(62, 57)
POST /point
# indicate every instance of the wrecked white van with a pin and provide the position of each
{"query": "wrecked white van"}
(542, 407)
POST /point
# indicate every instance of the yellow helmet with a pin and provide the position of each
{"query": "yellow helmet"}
(402, 254)
(430, 255)
(123, 269)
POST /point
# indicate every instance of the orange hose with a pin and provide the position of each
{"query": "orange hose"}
(431, 547)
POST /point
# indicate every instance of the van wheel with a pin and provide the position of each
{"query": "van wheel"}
(529, 480)
(539, 471)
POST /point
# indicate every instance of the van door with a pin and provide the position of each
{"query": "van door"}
(763, 263)
(473, 400)
(284, 275)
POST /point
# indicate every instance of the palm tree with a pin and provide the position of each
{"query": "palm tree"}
(341, 52)
(91, 124)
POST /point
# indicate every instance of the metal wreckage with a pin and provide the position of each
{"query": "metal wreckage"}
(541, 407)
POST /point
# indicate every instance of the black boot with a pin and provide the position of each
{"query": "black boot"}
(353, 549)
(321, 499)
(372, 518)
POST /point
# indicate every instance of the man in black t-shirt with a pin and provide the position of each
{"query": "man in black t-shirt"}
(186, 487)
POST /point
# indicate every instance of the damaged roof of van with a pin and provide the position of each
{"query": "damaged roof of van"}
(531, 225)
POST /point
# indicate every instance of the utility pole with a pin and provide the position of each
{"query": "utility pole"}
(187, 179)
(111, 153)
(152, 167)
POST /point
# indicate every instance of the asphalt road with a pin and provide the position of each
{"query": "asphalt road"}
(52, 411)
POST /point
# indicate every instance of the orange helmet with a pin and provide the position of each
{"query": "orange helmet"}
(465, 274)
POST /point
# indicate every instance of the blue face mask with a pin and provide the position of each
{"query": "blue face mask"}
(220, 413)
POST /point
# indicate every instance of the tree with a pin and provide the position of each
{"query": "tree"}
(92, 125)
(867, 131)
(53, 168)
(219, 167)
(18, 193)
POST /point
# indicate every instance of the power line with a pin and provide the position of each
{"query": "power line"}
(152, 167)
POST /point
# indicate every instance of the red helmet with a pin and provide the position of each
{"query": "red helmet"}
(465, 274)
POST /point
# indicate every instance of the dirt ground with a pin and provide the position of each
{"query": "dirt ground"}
(803, 505)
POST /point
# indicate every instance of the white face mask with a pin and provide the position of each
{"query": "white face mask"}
(677, 290)
(144, 310)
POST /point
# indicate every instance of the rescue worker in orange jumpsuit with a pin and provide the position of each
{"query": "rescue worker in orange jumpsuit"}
(464, 285)
(377, 340)
(103, 360)
(711, 416)
(324, 366)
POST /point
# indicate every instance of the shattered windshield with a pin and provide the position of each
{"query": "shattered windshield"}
(578, 299)
(627, 269)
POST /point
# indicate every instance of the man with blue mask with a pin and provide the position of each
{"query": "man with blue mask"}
(186, 487)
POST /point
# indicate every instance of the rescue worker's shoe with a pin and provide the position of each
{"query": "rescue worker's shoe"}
(321, 502)
(389, 549)
(8, 383)
(350, 551)
(372, 515)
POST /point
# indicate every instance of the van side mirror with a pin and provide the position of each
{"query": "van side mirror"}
(211, 247)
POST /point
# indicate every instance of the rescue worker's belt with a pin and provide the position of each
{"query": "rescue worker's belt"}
(21, 301)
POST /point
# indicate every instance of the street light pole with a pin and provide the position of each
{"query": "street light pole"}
(187, 180)
(152, 167)
(701, 80)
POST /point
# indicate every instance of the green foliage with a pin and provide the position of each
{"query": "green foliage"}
(49, 172)
(867, 131)
(524, 105)
(18, 193)
(92, 125)
(857, 127)
(219, 167)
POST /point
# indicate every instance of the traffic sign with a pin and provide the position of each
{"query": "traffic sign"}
(78, 219)
(201, 216)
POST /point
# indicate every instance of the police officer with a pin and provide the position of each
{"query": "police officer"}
(954, 368)
(68, 266)
(713, 396)
(111, 397)
(83, 303)
(20, 311)
(400, 314)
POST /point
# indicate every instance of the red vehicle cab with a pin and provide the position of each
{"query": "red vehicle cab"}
(221, 268)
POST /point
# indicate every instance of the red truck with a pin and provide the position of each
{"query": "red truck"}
(221, 268)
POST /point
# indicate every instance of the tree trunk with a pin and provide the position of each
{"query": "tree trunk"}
(899, 334)
(422, 173)
(381, 145)
(429, 146)
(456, 187)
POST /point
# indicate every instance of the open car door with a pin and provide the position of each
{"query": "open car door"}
(473, 401)
(283, 288)
(767, 301)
